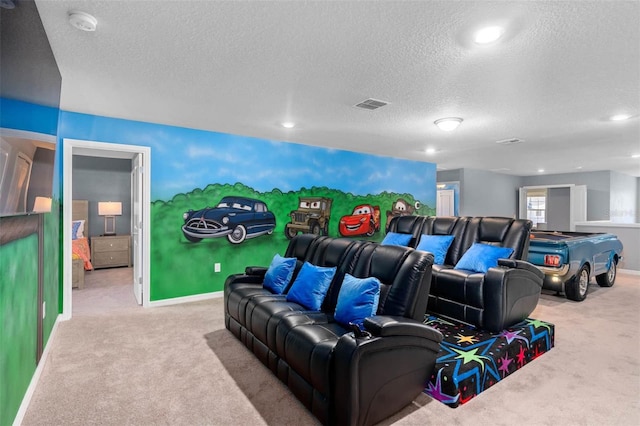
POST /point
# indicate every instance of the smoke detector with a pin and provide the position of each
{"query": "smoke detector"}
(371, 104)
(82, 21)
(511, 141)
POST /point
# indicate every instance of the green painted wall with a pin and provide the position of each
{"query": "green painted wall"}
(18, 316)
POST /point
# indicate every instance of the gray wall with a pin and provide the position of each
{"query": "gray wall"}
(558, 212)
(638, 200)
(449, 175)
(628, 234)
(598, 189)
(484, 193)
(103, 179)
(623, 198)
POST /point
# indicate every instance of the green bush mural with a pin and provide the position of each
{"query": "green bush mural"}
(182, 268)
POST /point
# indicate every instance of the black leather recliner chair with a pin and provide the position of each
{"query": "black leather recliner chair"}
(505, 295)
(343, 377)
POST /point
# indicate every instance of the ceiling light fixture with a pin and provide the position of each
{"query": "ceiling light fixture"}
(488, 35)
(620, 117)
(635, 156)
(288, 125)
(430, 151)
(82, 21)
(448, 124)
(540, 170)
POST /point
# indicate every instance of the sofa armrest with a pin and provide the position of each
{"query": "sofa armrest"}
(379, 375)
(256, 270)
(510, 294)
(386, 326)
(521, 264)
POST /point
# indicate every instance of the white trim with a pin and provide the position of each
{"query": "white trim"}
(26, 399)
(608, 224)
(186, 299)
(24, 134)
(102, 149)
(549, 186)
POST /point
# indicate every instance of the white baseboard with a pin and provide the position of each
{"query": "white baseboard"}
(629, 271)
(186, 299)
(26, 400)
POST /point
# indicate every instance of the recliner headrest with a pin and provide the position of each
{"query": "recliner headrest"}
(494, 229)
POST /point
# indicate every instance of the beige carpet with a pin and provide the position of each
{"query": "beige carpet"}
(118, 364)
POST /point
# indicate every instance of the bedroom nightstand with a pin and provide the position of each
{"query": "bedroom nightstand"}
(110, 251)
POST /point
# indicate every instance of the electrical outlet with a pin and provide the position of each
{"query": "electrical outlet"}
(44, 309)
(216, 267)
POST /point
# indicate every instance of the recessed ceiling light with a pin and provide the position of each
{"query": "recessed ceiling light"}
(540, 170)
(619, 117)
(430, 151)
(288, 124)
(448, 124)
(488, 35)
(82, 21)
(635, 156)
(579, 168)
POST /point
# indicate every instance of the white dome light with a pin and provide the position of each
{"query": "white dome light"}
(448, 124)
(82, 21)
(488, 35)
(430, 151)
(620, 117)
(288, 125)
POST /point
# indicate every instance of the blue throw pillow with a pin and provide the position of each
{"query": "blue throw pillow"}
(480, 257)
(396, 239)
(279, 273)
(74, 231)
(311, 285)
(358, 299)
(436, 244)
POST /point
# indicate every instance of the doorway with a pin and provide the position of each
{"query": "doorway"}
(140, 157)
(445, 203)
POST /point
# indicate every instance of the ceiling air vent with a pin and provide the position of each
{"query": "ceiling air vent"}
(511, 141)
(371, 104)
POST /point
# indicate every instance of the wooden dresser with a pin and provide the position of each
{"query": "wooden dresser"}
(110, 251)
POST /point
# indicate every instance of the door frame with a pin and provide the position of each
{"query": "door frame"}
(106, 150)
(577, 202)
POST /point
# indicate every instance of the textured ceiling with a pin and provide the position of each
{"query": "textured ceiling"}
(560, 70)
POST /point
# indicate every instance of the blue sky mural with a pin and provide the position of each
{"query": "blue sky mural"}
(184, 159)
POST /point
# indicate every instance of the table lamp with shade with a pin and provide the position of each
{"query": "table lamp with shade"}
(42, 205)
(109, 209)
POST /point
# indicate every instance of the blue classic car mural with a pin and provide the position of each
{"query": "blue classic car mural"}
(237, 218)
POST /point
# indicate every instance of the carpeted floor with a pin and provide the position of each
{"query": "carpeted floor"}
(118, 364)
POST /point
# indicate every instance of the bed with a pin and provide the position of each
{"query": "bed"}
(81, 253)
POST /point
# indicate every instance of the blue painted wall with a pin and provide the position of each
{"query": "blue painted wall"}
(187, 161)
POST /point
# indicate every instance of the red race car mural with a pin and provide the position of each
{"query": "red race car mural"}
(365, 220)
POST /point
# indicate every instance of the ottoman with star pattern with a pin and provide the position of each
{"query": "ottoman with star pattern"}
(473, 360)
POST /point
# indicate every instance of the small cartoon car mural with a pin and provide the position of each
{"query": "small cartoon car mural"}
(365, 220)
(311, 217)
(400, 207)
(237, 218)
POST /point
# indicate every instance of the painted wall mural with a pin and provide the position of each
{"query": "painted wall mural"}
(235, 201)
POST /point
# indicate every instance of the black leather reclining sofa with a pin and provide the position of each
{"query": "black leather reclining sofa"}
(492, 301)
(340, 377)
